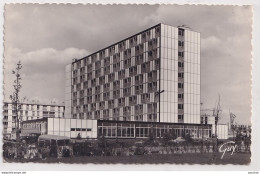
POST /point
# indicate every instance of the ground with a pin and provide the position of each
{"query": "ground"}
(190, 158)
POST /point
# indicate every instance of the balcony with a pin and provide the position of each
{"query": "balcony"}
(180, 69)
(152, 89)
(127, 84)
(145, 100)
(181, 59)
(116, 59)
(126, 94)
(139, 91)
(180, 48)
(133, 73)
(180, 121)
(115, 96)
(180, 80)
(134, 102)
(180, 111)
(122, 104)
(180, 90)
(180, 100)
(111, 106)
(127, 113)
(116, 114)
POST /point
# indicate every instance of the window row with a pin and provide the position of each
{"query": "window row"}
(123, 46)
(106, 71)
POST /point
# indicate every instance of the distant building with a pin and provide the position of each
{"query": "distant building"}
(244, 130)
(29, 111)
(208, 119)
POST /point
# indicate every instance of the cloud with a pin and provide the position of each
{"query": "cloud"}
(43, 72)
(211, 42)
(46, 37)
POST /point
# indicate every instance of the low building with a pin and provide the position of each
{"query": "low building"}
(28, 111)
(222, 129)
(112, 129)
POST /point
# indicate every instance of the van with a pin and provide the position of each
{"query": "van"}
(54, 146)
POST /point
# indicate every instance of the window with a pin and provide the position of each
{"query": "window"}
(180, 106)
(180, 117)
(180, 96)
(150, 53)
(180, 43)
(93, 58)
(133, 70)
(121, 73)
(157, 63)
(107, 61)
(180, 64)
(181, 54)
(93, 82)
(157, 29)
(111, 77)
(111, 103)
(132, 99)
(155, 42)
(180, 75)
(181, 32)
(180, 85)
(116, 110)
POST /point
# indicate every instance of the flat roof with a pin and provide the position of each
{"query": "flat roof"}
(35, 120)
(182, 27)
(55, 137)
(118, 121)
(36, 104)
(116, 43)
(146, 122)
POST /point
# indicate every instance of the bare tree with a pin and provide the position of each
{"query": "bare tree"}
(15, 100)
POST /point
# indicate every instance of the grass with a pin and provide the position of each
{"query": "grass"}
(190, 158)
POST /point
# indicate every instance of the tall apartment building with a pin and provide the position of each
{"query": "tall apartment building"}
(125, 80)
(29, 111)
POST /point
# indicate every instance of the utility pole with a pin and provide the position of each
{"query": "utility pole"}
(216, 113)
(15, 101)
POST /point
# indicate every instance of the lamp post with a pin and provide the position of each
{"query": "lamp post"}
(157, 93)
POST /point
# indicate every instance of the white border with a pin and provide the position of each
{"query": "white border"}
(254, 166)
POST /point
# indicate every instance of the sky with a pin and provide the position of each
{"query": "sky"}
(47, 37)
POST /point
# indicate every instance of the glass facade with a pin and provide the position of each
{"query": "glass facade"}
(143, 130)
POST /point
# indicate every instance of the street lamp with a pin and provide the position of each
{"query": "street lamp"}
(152, 125)
(157, 93)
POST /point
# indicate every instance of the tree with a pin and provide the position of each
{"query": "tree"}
(168, 136)
(79, 136)
(15, 101)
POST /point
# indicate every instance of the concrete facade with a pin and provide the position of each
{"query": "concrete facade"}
(29, 111)
(121, 82)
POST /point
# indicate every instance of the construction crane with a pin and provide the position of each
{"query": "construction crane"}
(216, 113)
